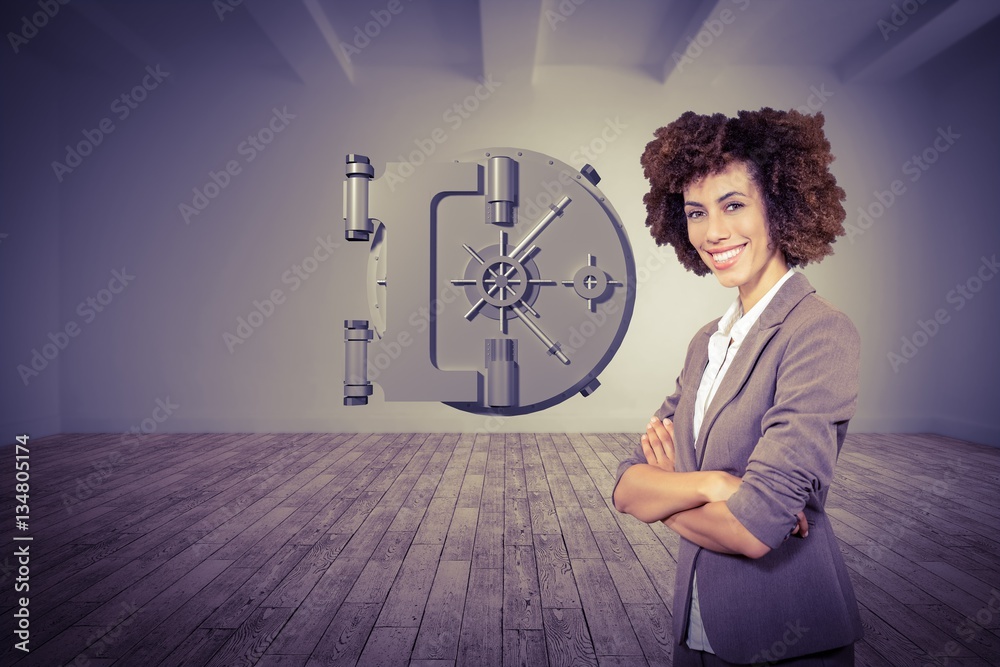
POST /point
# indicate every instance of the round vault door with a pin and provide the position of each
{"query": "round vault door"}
(502, 282)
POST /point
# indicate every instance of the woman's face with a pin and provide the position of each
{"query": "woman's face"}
(727, 225)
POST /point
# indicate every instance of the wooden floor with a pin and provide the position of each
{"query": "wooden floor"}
(342, 549)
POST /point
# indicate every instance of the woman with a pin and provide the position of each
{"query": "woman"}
(741, 456)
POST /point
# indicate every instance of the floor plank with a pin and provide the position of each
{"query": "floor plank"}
(482, 624)
(285, 550)
(440, 627)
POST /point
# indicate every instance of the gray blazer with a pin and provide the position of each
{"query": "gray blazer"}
(778, 420)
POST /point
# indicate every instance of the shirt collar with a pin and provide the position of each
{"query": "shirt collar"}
(735, 324)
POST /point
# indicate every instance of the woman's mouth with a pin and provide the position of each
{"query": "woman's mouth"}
(727, 258)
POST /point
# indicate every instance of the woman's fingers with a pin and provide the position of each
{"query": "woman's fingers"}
(664, 434)
(658, 445)
(801, 526)
(655, 455)
(647, 449)
(668, 426)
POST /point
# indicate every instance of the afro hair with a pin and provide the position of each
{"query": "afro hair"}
(786, 154)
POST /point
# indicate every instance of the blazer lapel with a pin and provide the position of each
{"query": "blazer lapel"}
(791, 293)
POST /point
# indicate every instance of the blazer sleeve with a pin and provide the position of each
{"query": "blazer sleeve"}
(816, 391)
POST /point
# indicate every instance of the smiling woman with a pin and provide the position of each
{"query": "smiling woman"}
(741, 456)
(786, 155)
(729, 231)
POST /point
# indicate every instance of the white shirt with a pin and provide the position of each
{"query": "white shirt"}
(722, 348)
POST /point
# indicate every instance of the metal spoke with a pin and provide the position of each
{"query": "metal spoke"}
(552, 347)
(475, 255)
(475, 309)
(557, 208)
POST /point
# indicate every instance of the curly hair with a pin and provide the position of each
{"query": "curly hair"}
(788, 158)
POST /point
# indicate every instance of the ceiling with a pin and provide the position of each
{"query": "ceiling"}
(859, 39)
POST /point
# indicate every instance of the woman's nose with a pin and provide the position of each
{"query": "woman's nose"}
(717, 228)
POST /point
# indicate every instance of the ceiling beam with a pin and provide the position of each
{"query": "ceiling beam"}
(121, 34)
(900, 42)
(681, 25)
(303, 34)
(510, 39)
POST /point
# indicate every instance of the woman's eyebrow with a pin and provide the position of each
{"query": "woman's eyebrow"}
(719, 200)
(728, 195)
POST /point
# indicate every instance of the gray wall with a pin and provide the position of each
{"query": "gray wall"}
(160, 341)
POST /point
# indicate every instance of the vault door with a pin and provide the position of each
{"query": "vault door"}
(502, 282)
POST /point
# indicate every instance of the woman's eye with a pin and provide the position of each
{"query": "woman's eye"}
(734, 205)
(691, 215)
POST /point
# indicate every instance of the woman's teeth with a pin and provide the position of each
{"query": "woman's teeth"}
(729, 254)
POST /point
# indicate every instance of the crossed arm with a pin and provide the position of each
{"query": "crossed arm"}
(692, 504)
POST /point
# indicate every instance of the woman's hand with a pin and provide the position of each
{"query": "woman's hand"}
(801, 525)
(658, 444)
